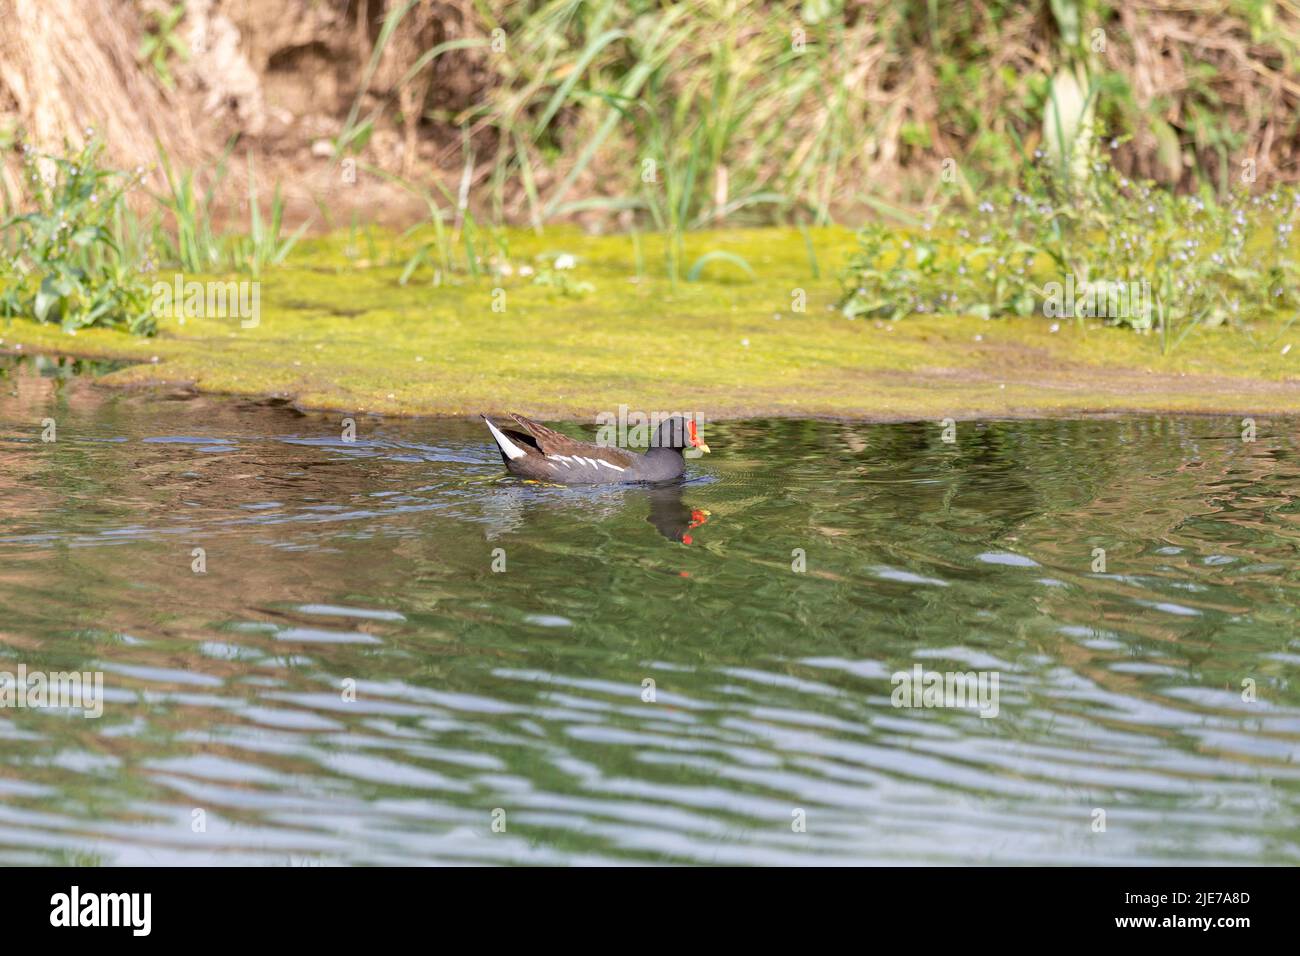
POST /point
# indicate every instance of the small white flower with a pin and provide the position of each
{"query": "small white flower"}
(565, 261)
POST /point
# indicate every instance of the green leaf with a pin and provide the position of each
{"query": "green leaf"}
(717, 254)
(46, 299)
(86, 235)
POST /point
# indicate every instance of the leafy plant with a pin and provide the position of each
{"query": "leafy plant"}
(1201, 260)
(76, 258)
(160, 43)
(555, 273)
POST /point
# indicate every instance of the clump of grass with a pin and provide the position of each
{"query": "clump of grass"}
(263, 247)
(454, 228)
(76, 257)
(196, 246)
(727, 101)
(807, 102)
(1204, 262)
(690, 117)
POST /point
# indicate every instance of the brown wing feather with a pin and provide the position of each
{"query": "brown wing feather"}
(552, 442)
(548, 439)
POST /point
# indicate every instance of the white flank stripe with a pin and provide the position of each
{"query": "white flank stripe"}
(609, 465)
(512, 450)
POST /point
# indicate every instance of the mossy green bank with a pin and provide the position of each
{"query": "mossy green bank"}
(337, 329)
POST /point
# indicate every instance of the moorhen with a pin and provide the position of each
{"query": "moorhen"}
(543, 454)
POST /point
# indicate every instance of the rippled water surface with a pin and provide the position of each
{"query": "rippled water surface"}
(517, 696)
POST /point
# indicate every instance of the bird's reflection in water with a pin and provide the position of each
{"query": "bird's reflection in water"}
(672, 517)
(515, 504)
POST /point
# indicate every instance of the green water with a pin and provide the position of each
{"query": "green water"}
(521, 691)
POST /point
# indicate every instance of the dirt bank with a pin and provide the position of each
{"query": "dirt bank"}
(462, 93)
